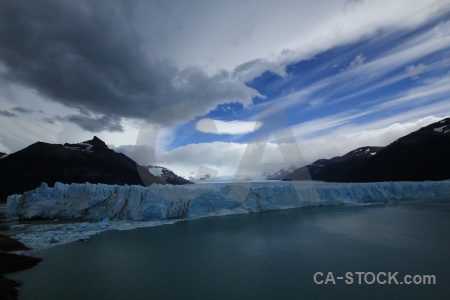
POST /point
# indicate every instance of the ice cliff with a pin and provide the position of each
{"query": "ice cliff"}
(166, 202)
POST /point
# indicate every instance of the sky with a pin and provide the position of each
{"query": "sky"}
(226, 87)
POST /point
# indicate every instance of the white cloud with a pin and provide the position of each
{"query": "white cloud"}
(359, 60)
(317, 126)
(415, 71)
(227, 157)
(316, 102)
(252, 36)
(351, 4)
(227, 127)
(350, 122)
(221, 156)
(371, 17)
(375, 71)
(432, 90)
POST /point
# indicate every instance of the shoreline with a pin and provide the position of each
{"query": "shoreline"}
(10, 263)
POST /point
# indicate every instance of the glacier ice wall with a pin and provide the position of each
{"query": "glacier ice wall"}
(165, 202)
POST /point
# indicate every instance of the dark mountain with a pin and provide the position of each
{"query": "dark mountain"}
(91, 161)
(335, 168)
(2, 154)
(421, 155)
(167, 175)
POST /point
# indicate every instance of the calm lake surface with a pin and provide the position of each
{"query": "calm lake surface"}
(271, 255)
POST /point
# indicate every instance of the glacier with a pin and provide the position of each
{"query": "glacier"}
(79, 211)
(170, 202)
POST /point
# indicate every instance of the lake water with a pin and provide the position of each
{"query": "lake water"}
(271, 255)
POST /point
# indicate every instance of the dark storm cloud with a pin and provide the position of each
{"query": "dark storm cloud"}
(6, 113)
(92, 56)
(48, 120)
(89, 122)
(22, 110)
(96, 124)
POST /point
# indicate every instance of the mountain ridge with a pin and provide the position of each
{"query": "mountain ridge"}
(418, 156)
(332, 169)
(89, 161)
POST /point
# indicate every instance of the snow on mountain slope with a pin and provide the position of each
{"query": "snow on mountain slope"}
(443, 129)
(87, 146)
(79, 147)
(157, 171)
(167, 175)
(167, 202)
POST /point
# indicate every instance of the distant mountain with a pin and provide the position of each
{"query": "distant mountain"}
(167, 175)
(418, 156)
(2, 154)
(282, 173)
(335, 168)
(207, 178)
(90, 161)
